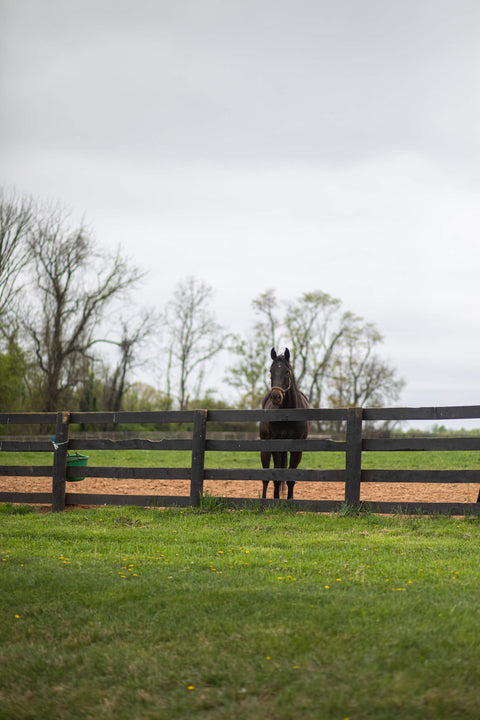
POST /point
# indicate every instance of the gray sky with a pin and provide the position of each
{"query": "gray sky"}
(287, 144)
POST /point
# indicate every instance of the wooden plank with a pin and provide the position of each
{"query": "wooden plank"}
(255, 474)
(137, 500)
(308, 445)
(198, 456)
(132, 473)
(118, 418)
(184, 501)
(353, 456)
(131, 444)
(28, 418)
(301, 505)
(421, 476)
(327, 414)
(421, 444)
(29, 498)
(284, 414)
(26, 470)
(23, 445)
(423, 413)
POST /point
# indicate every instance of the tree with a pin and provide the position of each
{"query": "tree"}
(359, 377)
(73, 284)
(333, 353)
(192, 338)
(251, 353)
(142, 397)
(13, 366)
(133, 335)
(16, 217)
(314, 325)
(267, 326)
(248, 374)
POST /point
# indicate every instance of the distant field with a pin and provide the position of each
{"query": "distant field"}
(435, 460)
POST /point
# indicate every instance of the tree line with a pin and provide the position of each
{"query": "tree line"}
(69, 337)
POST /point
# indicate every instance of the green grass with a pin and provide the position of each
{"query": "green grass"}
(434, 460)
(137, 614)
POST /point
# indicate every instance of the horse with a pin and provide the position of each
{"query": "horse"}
(283, 394)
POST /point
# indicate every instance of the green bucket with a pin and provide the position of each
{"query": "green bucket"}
(76, 460)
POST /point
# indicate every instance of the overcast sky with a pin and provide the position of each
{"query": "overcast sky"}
(287, 144)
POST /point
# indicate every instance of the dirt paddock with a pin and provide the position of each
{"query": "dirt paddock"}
(398, 492)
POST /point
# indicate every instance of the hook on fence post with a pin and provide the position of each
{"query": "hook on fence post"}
(60, 461)
(353, 456)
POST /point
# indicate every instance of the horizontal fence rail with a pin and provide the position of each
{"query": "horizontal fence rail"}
(198, 443)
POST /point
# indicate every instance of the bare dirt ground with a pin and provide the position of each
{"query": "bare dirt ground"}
(400, 492)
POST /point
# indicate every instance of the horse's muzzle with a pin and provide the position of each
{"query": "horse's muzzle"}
(277, 397)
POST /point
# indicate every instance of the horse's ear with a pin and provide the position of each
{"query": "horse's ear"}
(273, 354)
(287, 354)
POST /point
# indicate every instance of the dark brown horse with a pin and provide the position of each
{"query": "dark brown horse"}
(284, 394)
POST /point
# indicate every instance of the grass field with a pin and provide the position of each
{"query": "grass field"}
(435, 460)
(130, 613)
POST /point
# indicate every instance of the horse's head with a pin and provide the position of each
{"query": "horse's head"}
(281, 376)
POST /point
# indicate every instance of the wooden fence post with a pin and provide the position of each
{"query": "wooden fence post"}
(60, 461)
(353, 455)
(198, 456)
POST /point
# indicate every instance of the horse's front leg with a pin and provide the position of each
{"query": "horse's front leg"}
(279, 461)
(265, 458)
(295, 458)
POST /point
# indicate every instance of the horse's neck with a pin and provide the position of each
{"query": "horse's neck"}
(290, 400)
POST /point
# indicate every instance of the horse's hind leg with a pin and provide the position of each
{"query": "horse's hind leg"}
(295, 458)
(265, 458)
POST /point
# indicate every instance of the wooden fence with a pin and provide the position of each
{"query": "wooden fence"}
(354, 444)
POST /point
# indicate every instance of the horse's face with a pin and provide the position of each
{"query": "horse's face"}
(280, 380)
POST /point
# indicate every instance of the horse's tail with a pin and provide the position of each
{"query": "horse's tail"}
(283, 489)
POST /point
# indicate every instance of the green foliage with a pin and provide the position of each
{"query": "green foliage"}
(141, 397)
(129, 613)
(13, 366)
(247, 374)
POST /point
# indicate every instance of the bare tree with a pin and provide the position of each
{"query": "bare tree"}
(192, 338)
(359, 377)
(16, 215)
(73, 285)
(334, 352)
(247, 375)
(268, 326)
(314, 326)
(133, 336)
